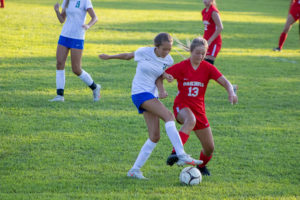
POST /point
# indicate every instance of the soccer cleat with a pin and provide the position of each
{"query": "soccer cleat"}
(277, 49)
(58, 98)
(172, 159)
(204, 171)
(96, 93)
(186, 159)
(136, 173)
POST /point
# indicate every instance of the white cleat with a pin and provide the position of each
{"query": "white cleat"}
(186, 159)
(58, 98)
(136, 173)
(96, 93)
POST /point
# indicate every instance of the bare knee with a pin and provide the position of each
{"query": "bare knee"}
(169, 116)
(208, 150)
(155, 137)
(76, 70)
(190, 122)
(60, 65)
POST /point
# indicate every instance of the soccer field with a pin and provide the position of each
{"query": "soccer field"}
(79, 149)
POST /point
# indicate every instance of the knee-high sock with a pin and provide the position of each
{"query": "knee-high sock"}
(144, 154)
(205, 159)
(60, 82)
(184, 137)
(282, 39)
(86, 78)
(174, 137)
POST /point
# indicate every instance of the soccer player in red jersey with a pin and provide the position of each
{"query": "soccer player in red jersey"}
(193, 75)
(293, 16)
(212, 29)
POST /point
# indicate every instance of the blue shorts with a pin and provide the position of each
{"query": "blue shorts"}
(70, 42)
(139, 99)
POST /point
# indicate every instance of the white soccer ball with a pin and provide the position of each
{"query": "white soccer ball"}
(190, 176)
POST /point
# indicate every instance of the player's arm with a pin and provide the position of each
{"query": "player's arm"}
(122, 56)
(93, 20)
(219, 27)
(61, 16)
(162, 93)
(232, 97)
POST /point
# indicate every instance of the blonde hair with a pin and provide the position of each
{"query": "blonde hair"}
(199, 41)
(214, 3)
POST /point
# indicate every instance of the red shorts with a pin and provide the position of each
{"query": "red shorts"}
(213, 49)
(201, 120)
(295, 10)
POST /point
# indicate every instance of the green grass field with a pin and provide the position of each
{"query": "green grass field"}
(82, 150)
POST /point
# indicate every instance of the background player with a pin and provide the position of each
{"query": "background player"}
(193, 75)
(212, 29)
(293, 16)
(151, 63)
(72, 39)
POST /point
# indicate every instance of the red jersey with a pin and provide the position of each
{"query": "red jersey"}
(209, 24)
(192, 83)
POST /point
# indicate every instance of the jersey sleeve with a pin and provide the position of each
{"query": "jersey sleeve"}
(175, 71)
(215, 73)
(138, 54)
(88, 4)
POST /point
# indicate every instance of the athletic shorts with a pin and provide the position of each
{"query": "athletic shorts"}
(201, 119)
(295, 11)
(71, 43)
(213, 49)
(140, 98)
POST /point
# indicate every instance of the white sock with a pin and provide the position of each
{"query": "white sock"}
(60, 79)
(174, 137)
(144, 154)
(85, 77)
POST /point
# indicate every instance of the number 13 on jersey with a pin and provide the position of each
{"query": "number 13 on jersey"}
(193, 91)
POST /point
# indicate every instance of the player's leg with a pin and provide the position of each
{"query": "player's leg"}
(157, 108)
(212, 52)
(206, 138)
(186, 117)
(287, 27)
(61, 57)
(76, 55)
(152, 122)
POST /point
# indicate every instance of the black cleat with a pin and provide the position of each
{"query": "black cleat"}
(204, 171)
(277, 49)
(172, 159)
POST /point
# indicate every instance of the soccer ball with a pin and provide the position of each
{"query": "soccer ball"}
(190, 176)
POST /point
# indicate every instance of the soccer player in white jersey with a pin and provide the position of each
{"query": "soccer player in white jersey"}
(72, 39)
(151, 63)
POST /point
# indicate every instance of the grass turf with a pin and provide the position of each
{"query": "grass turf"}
(82, 150)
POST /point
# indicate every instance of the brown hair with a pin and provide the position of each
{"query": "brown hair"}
(162, 37)
(199, 41)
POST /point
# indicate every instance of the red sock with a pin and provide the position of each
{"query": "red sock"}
(204, 158)
(282, 39)
(184, 137)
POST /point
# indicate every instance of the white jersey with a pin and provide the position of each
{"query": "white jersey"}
(149, 68)
(76, 13)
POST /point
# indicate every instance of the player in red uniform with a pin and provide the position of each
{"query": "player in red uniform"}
(193, 75)
(212, 29)
(293, 16)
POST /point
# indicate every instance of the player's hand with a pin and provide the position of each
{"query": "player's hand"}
(163, 94)
(85, 26)
(233, 99)
(56, 7)
(104, 56)
(169, 77)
